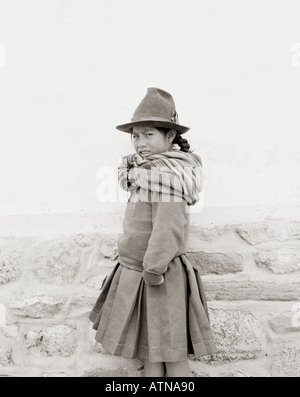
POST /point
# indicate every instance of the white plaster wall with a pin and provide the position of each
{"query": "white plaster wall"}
(71, 70)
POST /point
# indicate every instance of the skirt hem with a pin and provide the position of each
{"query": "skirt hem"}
(156, 355)
(133, 320)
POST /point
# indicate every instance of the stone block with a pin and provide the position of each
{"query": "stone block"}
(237, 374)
(232, 290)
(105, 372)
(260, 232)
(57, 340)
(55, 261)
(100, 267)
(84, 299)
(278, 260)
(10, 330)
(55, 375)
(216, 262)
(294, 229)
(286, 363)
(208, 234)
(238, 336)
(36, 306)
(10, 268)
(93, 280)
(284, 322)
(5, 352)
(85, 239)
(109, 247)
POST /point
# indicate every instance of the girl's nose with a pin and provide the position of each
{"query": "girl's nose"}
(141, 141)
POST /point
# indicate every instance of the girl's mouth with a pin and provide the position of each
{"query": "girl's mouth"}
(145, 152)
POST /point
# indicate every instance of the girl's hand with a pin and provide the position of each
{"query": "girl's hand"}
(157, 285)
(154, 280)
(134, 160)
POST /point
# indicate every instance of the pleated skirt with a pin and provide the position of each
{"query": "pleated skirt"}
(158, 323)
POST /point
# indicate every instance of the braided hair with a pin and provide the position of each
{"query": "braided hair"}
(182, 143)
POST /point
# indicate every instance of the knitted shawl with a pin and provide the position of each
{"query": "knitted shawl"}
(176, 173)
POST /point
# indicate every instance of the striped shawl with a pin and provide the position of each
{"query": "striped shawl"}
(174, 173)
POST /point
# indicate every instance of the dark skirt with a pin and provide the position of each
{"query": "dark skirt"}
(160, 324)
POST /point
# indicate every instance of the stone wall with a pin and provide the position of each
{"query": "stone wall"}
(50, 281)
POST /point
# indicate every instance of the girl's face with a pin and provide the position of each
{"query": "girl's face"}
(148, 141)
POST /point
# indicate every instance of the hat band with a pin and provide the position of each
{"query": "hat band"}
(150, 118)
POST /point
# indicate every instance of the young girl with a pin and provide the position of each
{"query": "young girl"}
(153, 305)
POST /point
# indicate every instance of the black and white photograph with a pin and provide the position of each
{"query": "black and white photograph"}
(149, 191)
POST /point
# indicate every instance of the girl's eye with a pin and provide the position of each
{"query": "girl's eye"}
(136, 136)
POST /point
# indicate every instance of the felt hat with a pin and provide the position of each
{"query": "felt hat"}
(157, 109)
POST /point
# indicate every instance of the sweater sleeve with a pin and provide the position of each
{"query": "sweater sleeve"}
(169, 220)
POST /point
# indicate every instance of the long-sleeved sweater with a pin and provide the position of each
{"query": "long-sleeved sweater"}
(153, 234)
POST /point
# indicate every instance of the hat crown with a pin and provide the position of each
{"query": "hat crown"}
(157, 109)
(156, 105)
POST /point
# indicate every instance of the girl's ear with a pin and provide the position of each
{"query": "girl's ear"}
(171, 135)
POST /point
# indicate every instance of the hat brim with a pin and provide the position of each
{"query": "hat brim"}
(153, 123)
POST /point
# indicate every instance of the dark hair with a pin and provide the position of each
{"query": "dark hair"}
(182, 143)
